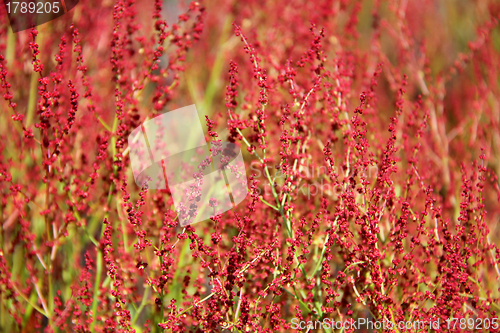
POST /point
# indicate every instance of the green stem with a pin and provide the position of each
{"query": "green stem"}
(294, 295)
(141, 306)
(36, 307)
(189, 308)
(99, 264)
(267, 203)
(106, 126)
(320, 258)
(33, 96)
(11, 47)
(96, 289)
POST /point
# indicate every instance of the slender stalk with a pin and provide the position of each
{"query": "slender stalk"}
(36, 307)
(320, 261)
(189, 308)
(11, 48)
(99, 261)
(33, 97)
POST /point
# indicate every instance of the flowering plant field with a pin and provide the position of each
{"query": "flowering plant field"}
(371, 138)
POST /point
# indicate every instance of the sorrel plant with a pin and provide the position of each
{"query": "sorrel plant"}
(370, 131)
